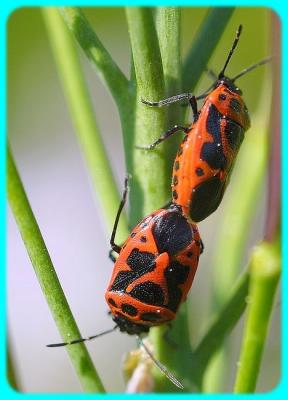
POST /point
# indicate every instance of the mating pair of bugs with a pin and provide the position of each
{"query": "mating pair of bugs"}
(156, 265)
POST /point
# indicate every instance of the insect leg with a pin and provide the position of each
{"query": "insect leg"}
(114, 246)
(165, 136)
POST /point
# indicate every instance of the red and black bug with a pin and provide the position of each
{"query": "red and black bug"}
(208, 151)
(152, 274)
(154, 270)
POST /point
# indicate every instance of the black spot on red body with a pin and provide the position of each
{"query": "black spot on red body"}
(222, 97)
(189, 254)
(235, 105)
(129, 309)
(199, 171)
(212, 152)
(234, 134)
(175, 274)
(206, 198)
(175, 194)
(140, 263)
(112, 302)
(132, 234)
(143, 239)
(141, 260)
(176, 165)
(149, 293)
(180, 152)
(172, 233)
(175, 180)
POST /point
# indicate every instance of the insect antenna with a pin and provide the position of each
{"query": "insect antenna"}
(162, 367)
(236, 40)
(82, 339)
(248, 69)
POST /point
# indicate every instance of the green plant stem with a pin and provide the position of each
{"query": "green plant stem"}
(82, 113)
(222, 324)
(198, 56)
(107, 69)
(122, 91)
(265, 274)
(168, 31)
(149, 191)
(48, 279)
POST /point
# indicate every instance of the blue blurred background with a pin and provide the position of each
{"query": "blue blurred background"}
(54, 174)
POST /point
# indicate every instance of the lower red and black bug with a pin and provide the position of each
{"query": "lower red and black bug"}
(152, 274)
(154, 270)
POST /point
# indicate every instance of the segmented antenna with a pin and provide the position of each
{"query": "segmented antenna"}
(82, 339)
(236, 40)
(162, 367)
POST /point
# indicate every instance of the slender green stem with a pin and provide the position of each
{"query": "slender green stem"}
(223, 323)
(149, 191)
(198, 56)
(120, 88)
(110, 73)
(265, 274)
(48, 279)
(82, 113)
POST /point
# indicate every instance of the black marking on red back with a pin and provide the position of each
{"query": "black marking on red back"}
(129, 309)
(206, 198)
(234, 134)
(175, 274)
(172, 233)
(140, 263)
(235, 105)
(148, 292)
(212, 152)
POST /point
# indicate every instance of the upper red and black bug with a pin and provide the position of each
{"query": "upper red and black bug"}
(207, 153)
(154, 270)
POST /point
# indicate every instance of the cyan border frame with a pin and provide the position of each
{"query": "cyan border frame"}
(6, 10)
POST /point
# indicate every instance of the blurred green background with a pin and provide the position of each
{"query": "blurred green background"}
(57, 183)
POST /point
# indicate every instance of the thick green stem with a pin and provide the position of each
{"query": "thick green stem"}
(48, 279)
(150, 189)
(204, 44)
(265, 274)
(168, 30)
(81, 108)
